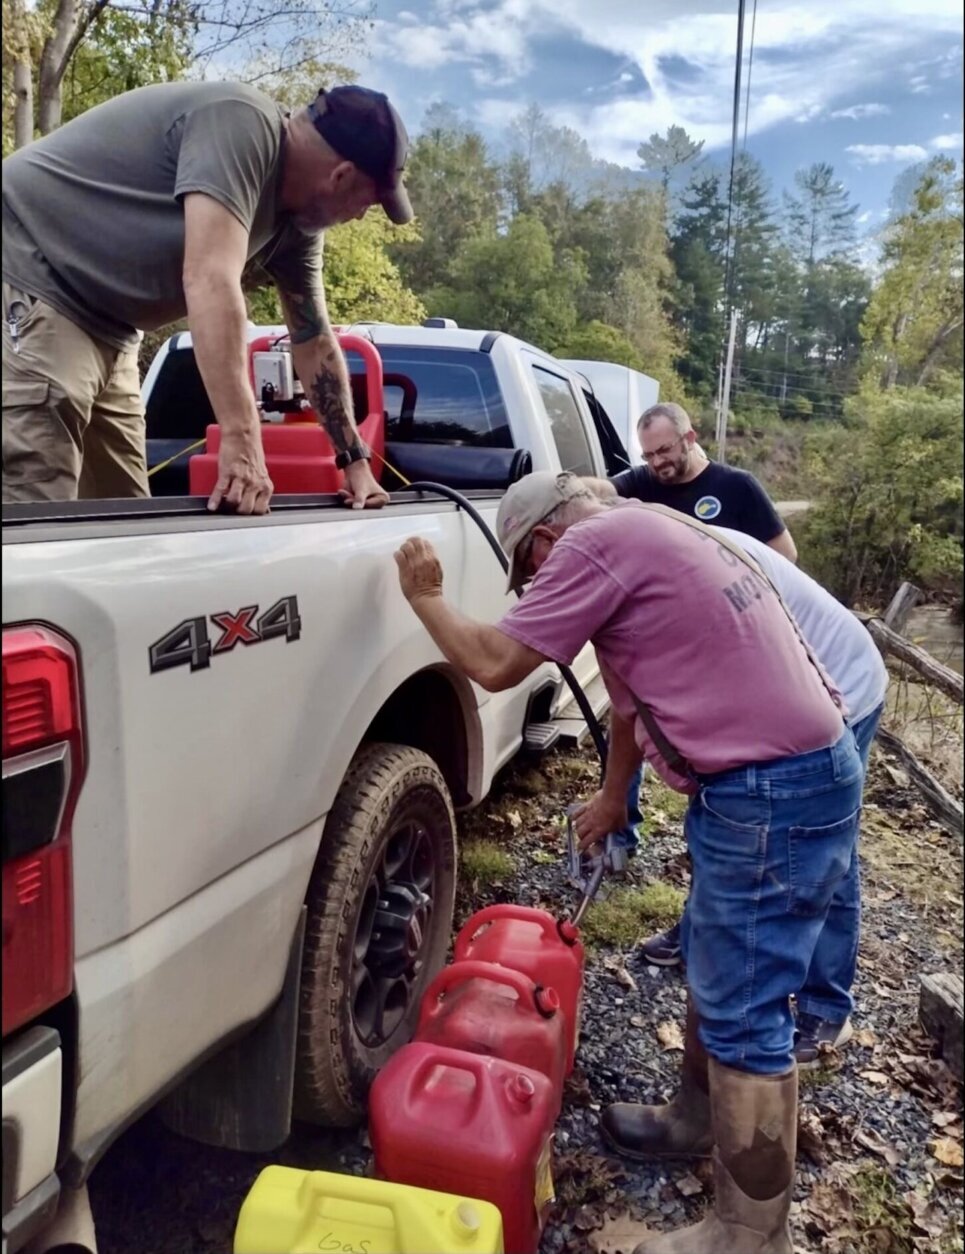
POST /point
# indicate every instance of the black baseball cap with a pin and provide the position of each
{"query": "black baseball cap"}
(363, 127)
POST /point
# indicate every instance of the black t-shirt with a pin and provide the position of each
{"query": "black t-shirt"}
(721, 495)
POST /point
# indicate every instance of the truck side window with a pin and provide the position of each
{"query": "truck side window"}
(565, 422)
(178, 407)
(441, 396)
(614, 454)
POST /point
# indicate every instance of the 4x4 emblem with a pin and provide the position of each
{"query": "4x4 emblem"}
(188, 643)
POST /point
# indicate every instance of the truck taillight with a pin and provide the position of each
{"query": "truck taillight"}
(43, 765)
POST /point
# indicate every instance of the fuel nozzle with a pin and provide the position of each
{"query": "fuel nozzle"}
(587, 869)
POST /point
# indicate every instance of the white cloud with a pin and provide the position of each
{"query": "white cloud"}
(947, 143)
(859, 111)
(810, 113)
(405, 16)
(470, 38)
(920, 84)
(495, 113)
(810, 60)
(879, 154)
(862, 218)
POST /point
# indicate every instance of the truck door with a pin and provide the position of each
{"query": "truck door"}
(579, 451)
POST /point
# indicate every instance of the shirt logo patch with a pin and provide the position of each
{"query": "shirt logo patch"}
(707, 507)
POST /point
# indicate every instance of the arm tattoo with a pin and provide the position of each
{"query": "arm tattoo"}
(305, 319)
(332, 399)
(329, 390)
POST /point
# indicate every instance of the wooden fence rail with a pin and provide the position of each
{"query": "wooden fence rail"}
(946, 808)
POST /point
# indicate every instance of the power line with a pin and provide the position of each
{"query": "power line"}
(750, 67)
(728, 266)
(730, 316)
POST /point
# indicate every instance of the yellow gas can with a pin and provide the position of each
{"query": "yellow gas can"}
(317, 1212)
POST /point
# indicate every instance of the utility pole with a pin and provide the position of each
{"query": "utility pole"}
(725, 398)
(787, 340)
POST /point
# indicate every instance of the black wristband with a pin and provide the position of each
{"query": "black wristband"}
(358, 453)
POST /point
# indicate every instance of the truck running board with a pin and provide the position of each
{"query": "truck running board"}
(571, 724)
(540, 737)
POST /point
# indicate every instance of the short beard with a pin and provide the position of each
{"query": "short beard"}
(312, 221)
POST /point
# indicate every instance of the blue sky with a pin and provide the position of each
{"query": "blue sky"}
(871, 86)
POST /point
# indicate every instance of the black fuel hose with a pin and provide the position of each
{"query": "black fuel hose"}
(592, 722)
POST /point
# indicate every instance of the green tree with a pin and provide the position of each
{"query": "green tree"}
(362, 284)
(697, 252)
(890, 497)
(455, 189)
(820, 217)
(514, 282)
(669, 155)
(755, 239)
(913, 324)
(129, 45)
(122, 52)
(544, 154)
(595, 341)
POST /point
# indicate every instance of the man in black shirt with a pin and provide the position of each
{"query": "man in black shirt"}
(679, 475)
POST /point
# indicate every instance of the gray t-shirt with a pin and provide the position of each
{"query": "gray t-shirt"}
(92, 216)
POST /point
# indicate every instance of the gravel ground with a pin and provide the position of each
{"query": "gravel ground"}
(881, 1126)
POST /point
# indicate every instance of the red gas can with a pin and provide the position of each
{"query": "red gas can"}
(487, 1009)
(471, 1125)
(533, 942)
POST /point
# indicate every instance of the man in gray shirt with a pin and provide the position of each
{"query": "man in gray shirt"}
(148, 208)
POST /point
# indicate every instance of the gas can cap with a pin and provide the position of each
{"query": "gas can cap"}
(547, 1001)
(523, 1088)
(466, 1221)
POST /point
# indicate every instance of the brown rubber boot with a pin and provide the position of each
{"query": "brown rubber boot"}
(755, 1127)
(679, 1129)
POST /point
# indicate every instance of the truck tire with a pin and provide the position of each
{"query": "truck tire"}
(380, 903)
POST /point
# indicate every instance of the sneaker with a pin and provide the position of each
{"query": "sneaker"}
(812, 1034)
(663, 950)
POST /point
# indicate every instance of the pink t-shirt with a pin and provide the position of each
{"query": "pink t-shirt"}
(689, 628)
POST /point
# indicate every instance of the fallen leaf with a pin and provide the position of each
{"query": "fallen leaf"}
(577, 1089)
(619, 969)
(872, 1141)
(947, 1151)
(942, 1118)
(639, 1021)
(514, 819)
(621, 1235)
(810, 1138)
(897, 776)
(866, 1038)
(689, 1186)
(829, 1206)
(928, 1216)
(670, 1036)
(875, 1077)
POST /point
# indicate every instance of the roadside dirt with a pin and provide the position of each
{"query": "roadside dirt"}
(880, 1154)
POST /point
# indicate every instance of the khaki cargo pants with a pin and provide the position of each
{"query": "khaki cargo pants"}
(73, 424)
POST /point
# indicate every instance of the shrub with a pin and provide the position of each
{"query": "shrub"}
(890, 498)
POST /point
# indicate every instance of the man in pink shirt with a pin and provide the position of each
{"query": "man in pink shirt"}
(710, 681)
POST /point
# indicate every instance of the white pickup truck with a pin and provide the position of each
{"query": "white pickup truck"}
(231, 761)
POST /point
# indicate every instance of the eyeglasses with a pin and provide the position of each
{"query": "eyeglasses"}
(665, 451)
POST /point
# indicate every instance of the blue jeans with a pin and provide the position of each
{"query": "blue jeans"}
(770, 845)
(827, 990)
(627, 836)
